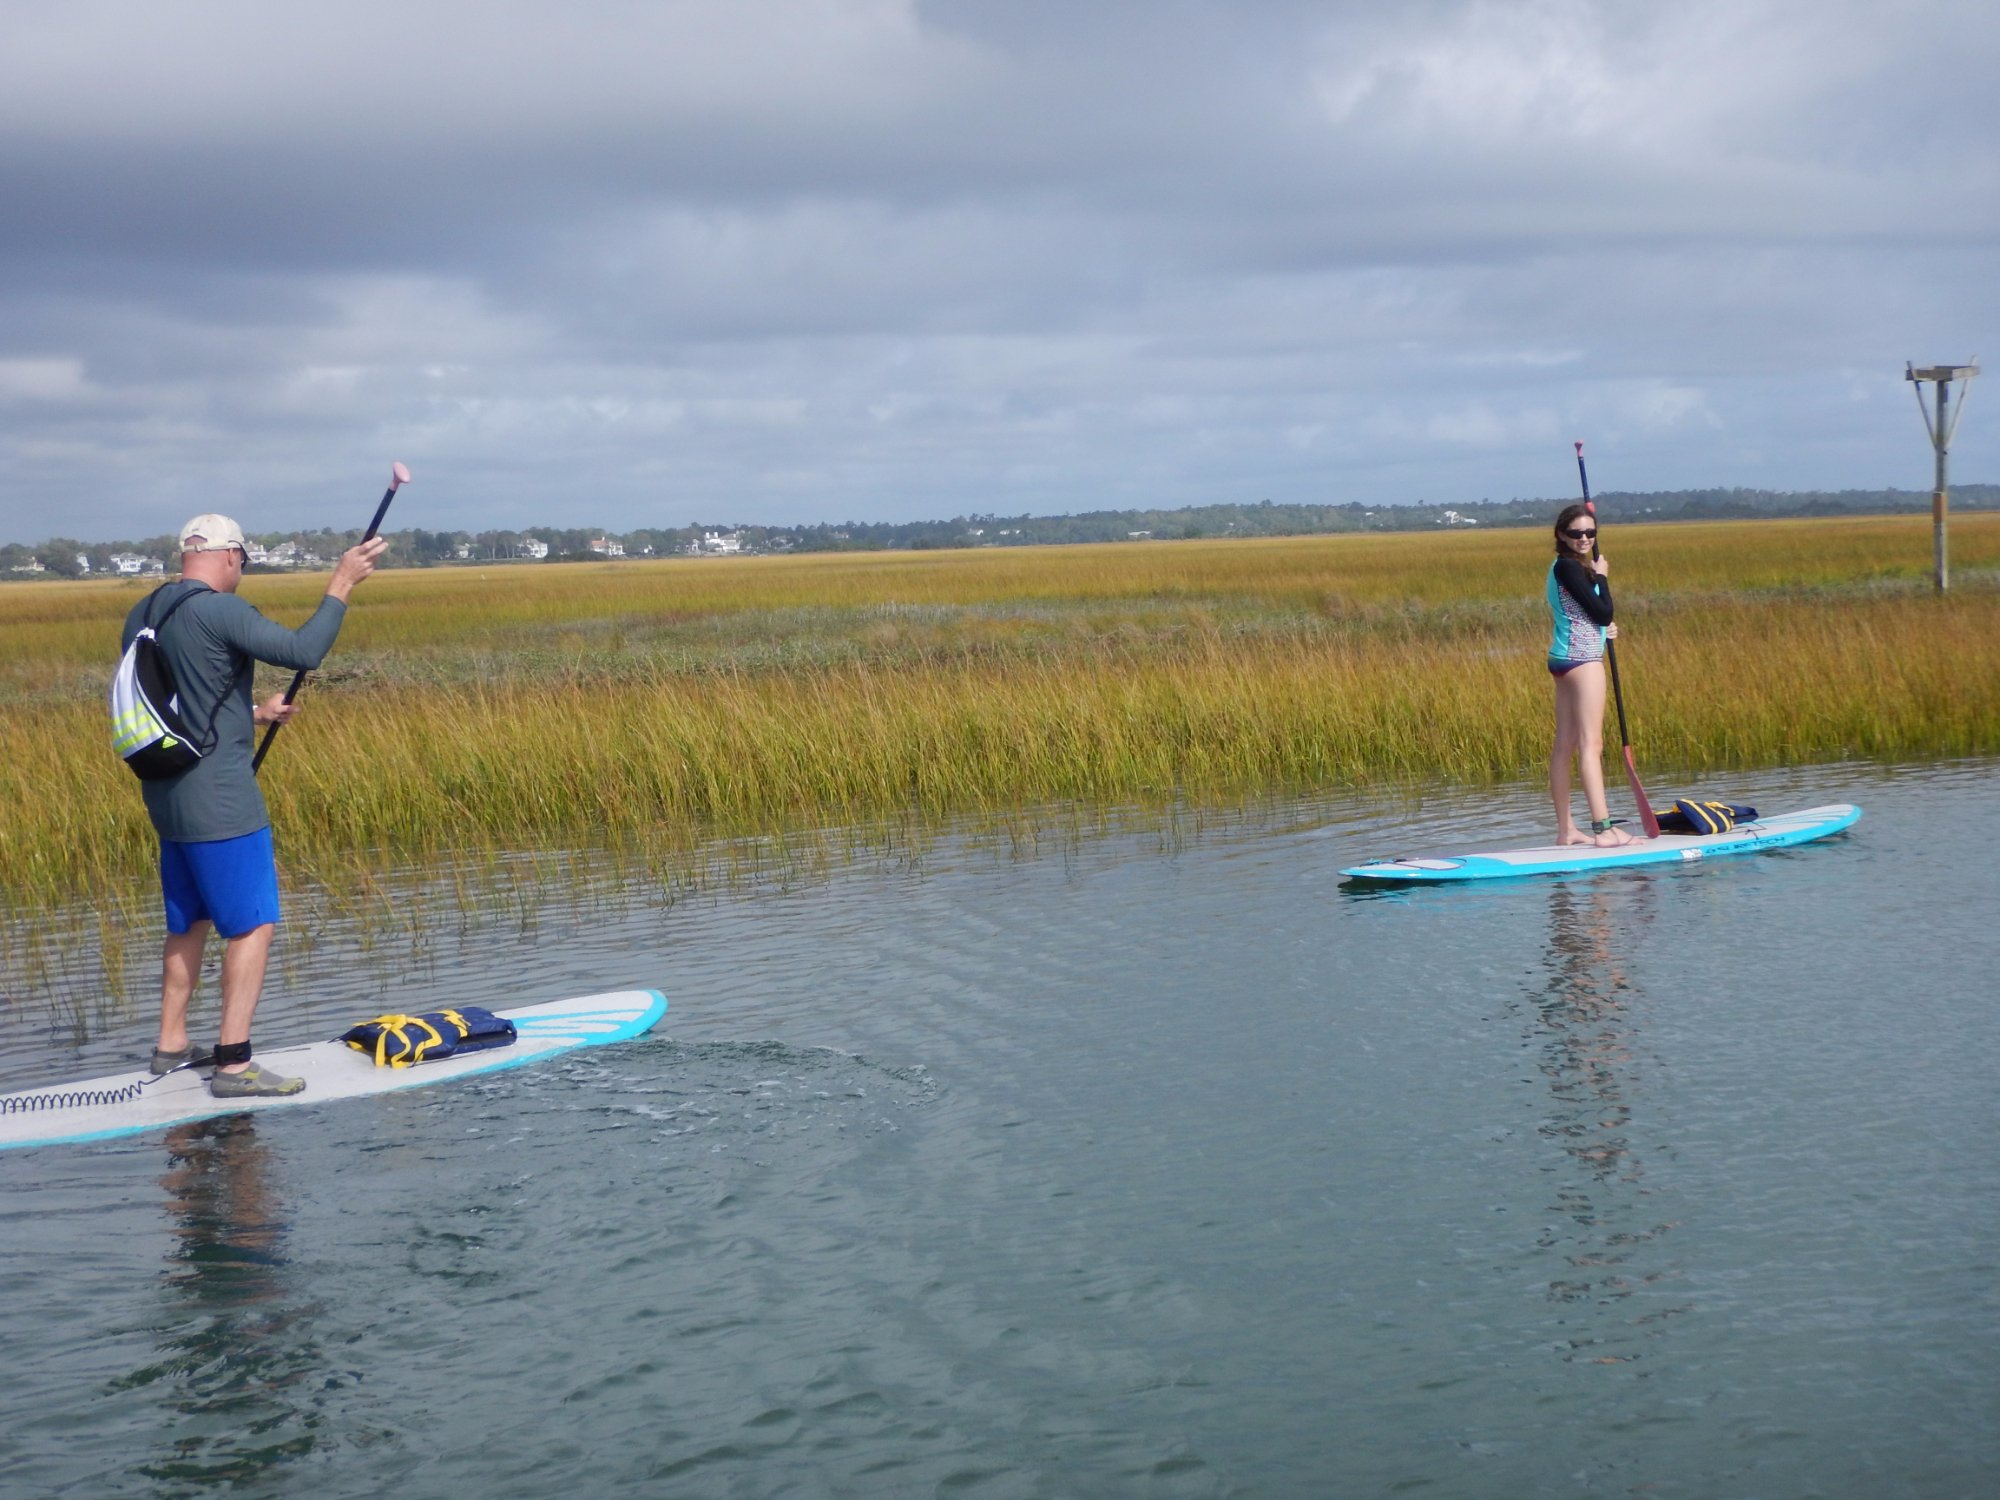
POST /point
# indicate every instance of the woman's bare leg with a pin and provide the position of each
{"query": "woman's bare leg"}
(1589, 710)
(1559, 758)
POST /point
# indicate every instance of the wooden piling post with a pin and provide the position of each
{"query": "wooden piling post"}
(1941, 427)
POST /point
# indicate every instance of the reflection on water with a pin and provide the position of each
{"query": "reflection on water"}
(226, 1218)
(1590, 1054)
(235, 1359)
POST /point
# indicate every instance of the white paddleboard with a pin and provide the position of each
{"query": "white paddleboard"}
(1668, 848)
(96, 1109)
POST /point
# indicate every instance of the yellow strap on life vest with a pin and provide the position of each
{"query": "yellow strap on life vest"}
(417, 1037)
(400, 1027)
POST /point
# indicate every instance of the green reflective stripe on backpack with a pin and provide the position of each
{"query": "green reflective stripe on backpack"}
(136, 726)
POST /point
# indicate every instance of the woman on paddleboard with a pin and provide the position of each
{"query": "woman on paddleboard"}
(1579, 595)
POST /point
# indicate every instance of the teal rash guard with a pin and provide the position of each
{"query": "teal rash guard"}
(213, 644)
(1580, 604)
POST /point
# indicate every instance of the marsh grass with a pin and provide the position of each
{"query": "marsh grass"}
(659, 707)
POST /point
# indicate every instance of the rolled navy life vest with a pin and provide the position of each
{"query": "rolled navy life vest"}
(1704, 817)
(401, 1041)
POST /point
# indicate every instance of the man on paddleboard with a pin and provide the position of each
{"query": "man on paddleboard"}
(217, 868)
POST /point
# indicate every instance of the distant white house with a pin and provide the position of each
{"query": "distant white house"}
(720, 543)
(284, 555)
(32, 565)
(83, 562)
(132, 565)
(534, 547)
(605, 547)
(1453, 518)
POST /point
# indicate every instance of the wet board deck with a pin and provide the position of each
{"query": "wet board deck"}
(1668, 848)
(96, 1109)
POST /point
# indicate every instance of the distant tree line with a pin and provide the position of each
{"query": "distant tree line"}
(66, 558)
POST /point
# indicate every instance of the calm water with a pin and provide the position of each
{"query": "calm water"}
(1149, 1165)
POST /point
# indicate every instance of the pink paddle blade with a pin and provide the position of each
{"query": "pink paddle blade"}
(1647, 818)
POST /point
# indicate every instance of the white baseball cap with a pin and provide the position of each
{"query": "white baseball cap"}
(211, 533)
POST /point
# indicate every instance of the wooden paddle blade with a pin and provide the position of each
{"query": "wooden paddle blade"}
(1646, 814)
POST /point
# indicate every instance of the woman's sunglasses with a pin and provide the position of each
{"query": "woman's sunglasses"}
(1580, 536)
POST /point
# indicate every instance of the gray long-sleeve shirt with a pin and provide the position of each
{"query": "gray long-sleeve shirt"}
(213, 643)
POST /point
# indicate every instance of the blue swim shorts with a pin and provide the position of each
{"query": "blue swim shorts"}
(230, 882)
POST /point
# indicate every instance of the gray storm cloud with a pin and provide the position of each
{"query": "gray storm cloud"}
(633, 264)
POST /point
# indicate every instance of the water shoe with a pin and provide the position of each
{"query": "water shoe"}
(253, 1083)
(168, 1062)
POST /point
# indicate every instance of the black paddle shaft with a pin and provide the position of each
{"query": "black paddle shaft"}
(299, 680)
(1610, 646)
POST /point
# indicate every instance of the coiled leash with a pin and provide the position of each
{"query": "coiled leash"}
(27, 1104)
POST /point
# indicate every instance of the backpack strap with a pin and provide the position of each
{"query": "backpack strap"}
(162, 625)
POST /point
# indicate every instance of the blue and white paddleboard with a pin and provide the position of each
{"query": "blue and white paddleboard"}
(96, 1109)
(1667, 849)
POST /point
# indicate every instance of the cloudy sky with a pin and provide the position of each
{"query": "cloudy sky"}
(648, 262)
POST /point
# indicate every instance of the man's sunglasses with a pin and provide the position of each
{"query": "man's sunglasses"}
(1580, 536)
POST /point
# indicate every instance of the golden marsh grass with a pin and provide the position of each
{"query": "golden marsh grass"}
(663, 703)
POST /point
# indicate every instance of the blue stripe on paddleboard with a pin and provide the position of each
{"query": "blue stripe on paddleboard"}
(623, 1025)
(1745, 838)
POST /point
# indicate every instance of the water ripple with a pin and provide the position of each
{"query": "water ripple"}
(1137, 1160)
